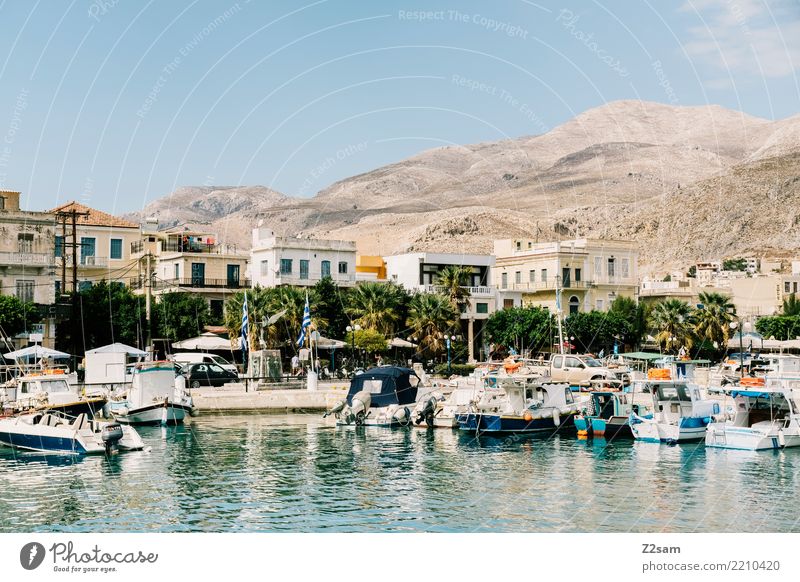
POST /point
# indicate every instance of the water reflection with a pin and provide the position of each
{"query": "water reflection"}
(300, 473)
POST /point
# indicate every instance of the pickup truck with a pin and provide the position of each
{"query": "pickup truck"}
(583, 371)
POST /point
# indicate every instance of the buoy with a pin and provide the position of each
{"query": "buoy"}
(527, 417)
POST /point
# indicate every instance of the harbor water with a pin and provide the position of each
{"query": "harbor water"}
(300, 473)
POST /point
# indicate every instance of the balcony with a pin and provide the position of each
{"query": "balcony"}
(549, 285)
(94, 262)
(30, 259)
(481, 291)
(197, 283)
(313, 278)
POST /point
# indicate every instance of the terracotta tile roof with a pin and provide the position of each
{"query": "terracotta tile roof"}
(94, 217)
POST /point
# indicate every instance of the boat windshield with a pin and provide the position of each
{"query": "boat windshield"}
(56, 386)
(676, 392)
(592, 363)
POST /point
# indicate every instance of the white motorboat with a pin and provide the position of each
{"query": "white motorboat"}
(384, 396)
(54, 432)
(156, 396)
(680, 411)
(765, 412)
(49, 389)
(440, 407)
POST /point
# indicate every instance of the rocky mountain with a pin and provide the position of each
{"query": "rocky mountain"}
(686, 182)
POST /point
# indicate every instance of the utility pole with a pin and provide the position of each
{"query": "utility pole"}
(148, 291)
(72, 215)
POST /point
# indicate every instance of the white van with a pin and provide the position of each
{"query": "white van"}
(201, 358)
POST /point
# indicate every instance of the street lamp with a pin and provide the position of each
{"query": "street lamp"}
(734, 325)
(352, 329)
(571, 339)
(449, 338)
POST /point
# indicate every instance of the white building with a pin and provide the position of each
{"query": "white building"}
(419, 272)
(276, 260)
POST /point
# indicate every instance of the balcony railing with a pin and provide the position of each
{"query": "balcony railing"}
(196, 283)
(482, 291)
(313, 278)
(94, 261)
(33, 259)
(549, 285)
(138, 247)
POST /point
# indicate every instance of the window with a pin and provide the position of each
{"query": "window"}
(577, 275)
(264, 268)
(508, 303)
(787, 287)
(25, 242)
(2, 202)
(544, 275)
(326, 268)
(565, 277)
(25, 288)
(598, 267)
(599, 305)
(519, 245)
(574, 304)
(58, 288)
(59, 246)
(116, 248)
(518, 277)
(286, 266)
(87, 250)
(504, 280)
(233, 275)
(342, 267)
(303, 268)
(532, 276)
(624, 268)
(573, 363)
(84, 286)
(611, 264)
(481, 308)
(557, 361)
(794, 287)
(176, 271)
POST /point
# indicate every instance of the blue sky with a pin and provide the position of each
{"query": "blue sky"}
(117, 102)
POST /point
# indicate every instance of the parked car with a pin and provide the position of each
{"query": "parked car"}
(207, 375)
(582, 371)
(184, 358)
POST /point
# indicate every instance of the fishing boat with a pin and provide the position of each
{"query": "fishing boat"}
(765, 412)
(384, 396)
(56, 432)
(607, 415)
(49, 390)
(521, 404)
(154, 396)
(680, 411)
(440, 407)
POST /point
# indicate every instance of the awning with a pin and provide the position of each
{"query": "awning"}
(36, 351)
(647, 356)
(397, 342)
(118, 348)
(206, 341)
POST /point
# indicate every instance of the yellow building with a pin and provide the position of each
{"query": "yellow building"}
(102, 250)
(591, 273)
(189, 261)
(370, 268)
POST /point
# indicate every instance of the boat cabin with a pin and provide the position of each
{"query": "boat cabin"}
(54, 386)
(675, 399)
(531, 393)
(387, 385)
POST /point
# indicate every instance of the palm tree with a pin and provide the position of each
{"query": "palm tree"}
(431, 316)
(712, 321)
(672, 321)
(377, 306)
(257, 301)
(454, 279)
(791, 306)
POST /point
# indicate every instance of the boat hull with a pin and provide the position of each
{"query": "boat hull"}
(660, 432)
(499, 423)
(722, 436)
(155, 414)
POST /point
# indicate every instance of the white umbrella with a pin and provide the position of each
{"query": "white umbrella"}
(326, 343)
(205, 341)
(36, 351)
(397, 342)
(117, 348)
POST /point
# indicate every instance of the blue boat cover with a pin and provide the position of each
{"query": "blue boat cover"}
(750, 393)
(387, 385)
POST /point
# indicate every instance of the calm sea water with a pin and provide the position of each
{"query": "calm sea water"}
(298, 473)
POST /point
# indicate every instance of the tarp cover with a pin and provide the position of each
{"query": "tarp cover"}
(387, 385)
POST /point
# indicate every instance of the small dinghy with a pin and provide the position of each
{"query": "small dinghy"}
(53, 432)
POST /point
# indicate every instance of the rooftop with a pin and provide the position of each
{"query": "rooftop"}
(93, 217)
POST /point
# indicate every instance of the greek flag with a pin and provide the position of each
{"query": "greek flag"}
(558, 300)
(245, 343)
(305, 324)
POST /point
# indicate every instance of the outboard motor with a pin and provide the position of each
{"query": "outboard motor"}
(359, 407)
(427, 411)
(111, 434)
(336, 409)
(402, 415)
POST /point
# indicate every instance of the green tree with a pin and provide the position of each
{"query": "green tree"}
(432, 317)
(791, 306)
(369, 340)
(781, 327)
(330, 303)
(737, 264)
(377, 306)
(692, 273)
(522, 327)
(596, 330)
(105, 313)
(672, 324)
(712, 321)
(636, 316)
(16, 316)
(454, 280)
(180, 315)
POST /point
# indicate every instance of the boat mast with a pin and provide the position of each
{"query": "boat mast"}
(558, 316)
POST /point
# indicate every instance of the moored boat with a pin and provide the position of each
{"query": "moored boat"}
(154, 396)
(607, 415)
(50, 390)
(384, 396)
(55, 432)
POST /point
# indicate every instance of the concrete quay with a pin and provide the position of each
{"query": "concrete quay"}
(236, 397)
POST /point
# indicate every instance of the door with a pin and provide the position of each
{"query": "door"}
(233, 276)
(576, 373)
(217, 375)
(198, 274)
